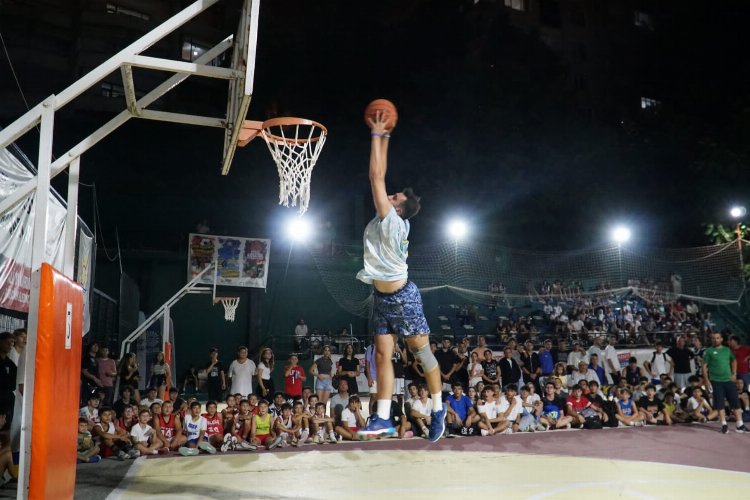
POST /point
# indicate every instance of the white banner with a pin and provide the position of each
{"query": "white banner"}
(16, 235)
(241, 261)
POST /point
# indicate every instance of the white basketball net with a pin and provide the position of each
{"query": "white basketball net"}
(230, 307)
(295, 149)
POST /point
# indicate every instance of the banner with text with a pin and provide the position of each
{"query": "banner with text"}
(241, 261)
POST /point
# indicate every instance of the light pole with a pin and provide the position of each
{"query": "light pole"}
(620, 235)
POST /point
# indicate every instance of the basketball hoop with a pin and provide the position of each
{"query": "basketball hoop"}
(230, 306)
(295, 144)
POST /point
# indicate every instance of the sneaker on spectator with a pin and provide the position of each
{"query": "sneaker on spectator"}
(540, 427)
(485, 432)
(205, 446)
(509, 430)
(94, 458)
(276, 441)
(377, 427)
(724, 429)
(741, 429)
(227, 442)
(188, 452)
(244, 445)
(317, 439)
(121, 455)
(437, 425)
(304, 436)
(295, 442)
(332, 438)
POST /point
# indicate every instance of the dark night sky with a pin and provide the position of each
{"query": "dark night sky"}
(489, 128)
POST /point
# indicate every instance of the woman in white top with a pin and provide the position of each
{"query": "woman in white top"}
(475, 369)
(241, 371)
(265, 373)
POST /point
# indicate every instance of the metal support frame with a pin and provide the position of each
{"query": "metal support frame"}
(44, 113)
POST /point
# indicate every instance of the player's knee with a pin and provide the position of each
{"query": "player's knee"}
(425, 357)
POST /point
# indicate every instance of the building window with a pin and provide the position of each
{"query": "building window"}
(643, 20)
(112, 89)
(648, 103)
(119, 9)
(516, 4)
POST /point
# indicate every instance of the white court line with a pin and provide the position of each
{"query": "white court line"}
(121, 488)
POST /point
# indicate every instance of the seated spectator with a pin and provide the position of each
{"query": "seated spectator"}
(699, 409)
(351, 420)
(673, 410)
(531, 410)
(229, 412)
(340, 400)
(179, 405)
(128, 419)
(113, 440)
(88, 451)
(652, 408)
(155, 409)
(278, 401)
(150, 398)
(627, 409)
(168, 427)
(215, 429)
(582, 373)
(575, 406)
(553, 409)
(597, 368)
(419, 417)
(321, 425)
(195, 428)
(262, 432)
(301, 421)
(91, 411)
(285, 427)
(126, 399)
(509, 406)
(144, 438)
(596, 396)
(560, 372)
(633, 373)
(488, 410)
(743, 395)
(460, 410)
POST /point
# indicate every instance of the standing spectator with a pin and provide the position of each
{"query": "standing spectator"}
(340, 399)
(159, 374)
(461, 374)
(560, 353)
(129, 374)
(216, 382)
(448, 363)
(265, 373)
(610, 361)
(18, 346)
(532, 365)
(474, 370)
(698, 351)
(89, 372)
(301, 329)
(510, 371)
(576, 355)
(372, 375)
(633, 373)
(413, 372)
(547, 359)
(659, 364)
(481, 346)
(7, 379)
(241, 372)
(741, 354)
(594, 365)
(294, 375)
(107, 371)
(596, 348)
(323, 368)
(126, 400)
(490, 370)
(349, 369)
(720, 371)
(681, 357)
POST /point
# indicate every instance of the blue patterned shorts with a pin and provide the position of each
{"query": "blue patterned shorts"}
(399, 312)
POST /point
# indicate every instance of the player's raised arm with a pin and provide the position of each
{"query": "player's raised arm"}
(379, 164)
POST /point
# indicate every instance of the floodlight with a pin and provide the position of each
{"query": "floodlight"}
(737, 211)
(458, 229)
(621, 234)
(298, 228)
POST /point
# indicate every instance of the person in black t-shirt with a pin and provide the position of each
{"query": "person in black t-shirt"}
(8, 371)
(652, 408)
(89, 373)
(448, 362)
(490, 373)
(215, 376)
(553, 409)
(681, 357)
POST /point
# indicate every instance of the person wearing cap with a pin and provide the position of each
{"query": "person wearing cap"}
(216, 382)
(8, 371)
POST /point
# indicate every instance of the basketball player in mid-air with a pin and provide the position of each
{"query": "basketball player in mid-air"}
(397, 308)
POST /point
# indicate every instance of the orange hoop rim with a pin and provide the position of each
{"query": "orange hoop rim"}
(251, 129)
(222, 299)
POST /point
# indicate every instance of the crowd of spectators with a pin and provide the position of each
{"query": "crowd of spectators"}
(525, 389)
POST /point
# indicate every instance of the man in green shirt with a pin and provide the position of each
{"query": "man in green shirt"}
(720, 371)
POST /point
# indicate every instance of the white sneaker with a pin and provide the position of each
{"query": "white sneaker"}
(206, 446)
(277, 441)
(134, 453)
(244, 445)
(509, 430)
(332, 438)
(317, 439)
(304, 436)
(485, 432)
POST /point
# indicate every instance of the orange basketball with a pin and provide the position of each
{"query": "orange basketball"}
(388, 109)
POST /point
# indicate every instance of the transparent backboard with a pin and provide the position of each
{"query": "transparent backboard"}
(241, 89)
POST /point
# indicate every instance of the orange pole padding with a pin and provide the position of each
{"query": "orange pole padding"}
(57, 383)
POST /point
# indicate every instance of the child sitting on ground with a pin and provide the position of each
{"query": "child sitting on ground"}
(113, 440)
(88, 451)
(699, 409)
(301, 420)
(195, 428)
(144, 438)
(322, 425)
(286, 428)
(627, 410)
(351, 419)
(262, 432)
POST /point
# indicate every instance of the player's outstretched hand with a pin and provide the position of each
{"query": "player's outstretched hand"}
(377, 125)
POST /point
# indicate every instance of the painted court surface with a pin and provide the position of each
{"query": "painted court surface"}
(646, 463)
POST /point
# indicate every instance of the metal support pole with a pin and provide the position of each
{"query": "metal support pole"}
(71, 218)
(38, 251)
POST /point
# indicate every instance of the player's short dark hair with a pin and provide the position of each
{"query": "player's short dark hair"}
(144, 410)
(632, 359)
(511, 387)
(457, 384)
(576, 387)
(319, 405)
(174, 390)
(286, 406)
(82, 420)
(650, 386)
(736, 338)
(277, 394)
(354, 399)
(411, 205)
(211, 402)
(194, 404)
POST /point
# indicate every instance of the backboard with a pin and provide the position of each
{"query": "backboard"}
(241, 89)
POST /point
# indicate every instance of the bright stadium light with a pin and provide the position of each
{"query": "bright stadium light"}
(737, 211)
(457, 229)
(621, 234)
(298, 228)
